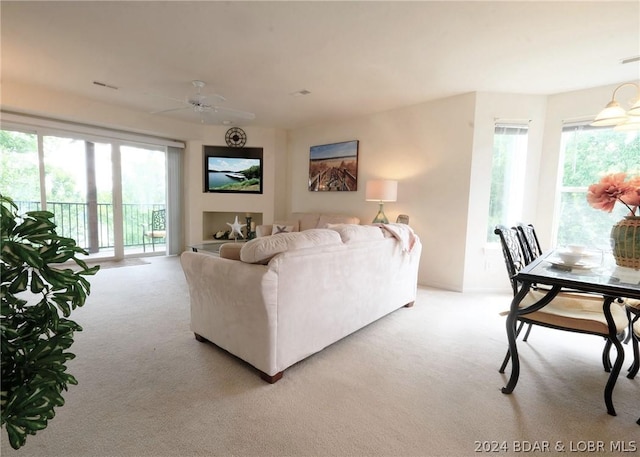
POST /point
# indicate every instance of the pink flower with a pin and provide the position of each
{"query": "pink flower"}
(632, 196)
(613, 188)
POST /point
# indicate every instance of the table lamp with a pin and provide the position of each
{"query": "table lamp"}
(381, 190)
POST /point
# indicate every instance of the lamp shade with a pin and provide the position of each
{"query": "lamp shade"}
(635, 108)
(632, 123)
(382, 190)
(613, 114)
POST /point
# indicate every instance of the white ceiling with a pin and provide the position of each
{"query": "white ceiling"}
(354, 57)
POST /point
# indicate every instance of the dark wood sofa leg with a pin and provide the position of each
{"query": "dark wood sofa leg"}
(271, 379)
(409, 305)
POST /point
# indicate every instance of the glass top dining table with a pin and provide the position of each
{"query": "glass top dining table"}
(600, 275)
(597, 275)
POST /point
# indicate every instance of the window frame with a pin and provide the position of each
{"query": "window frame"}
(562, 189)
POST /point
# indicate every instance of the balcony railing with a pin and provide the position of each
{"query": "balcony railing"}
(73, 219)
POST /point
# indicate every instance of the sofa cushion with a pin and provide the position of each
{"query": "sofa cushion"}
(326, 219)
(308, 221)
(261, 250)
(355, 232)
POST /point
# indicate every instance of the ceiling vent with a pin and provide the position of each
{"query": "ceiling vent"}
(300, 93)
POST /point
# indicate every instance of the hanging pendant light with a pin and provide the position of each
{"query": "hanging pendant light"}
(632, 123)
(615, 115)
(635, 109)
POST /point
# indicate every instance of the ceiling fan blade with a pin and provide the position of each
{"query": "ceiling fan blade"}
(201, 104)
(218, 97)
(166, 97)
(239, 114)
(169, 110)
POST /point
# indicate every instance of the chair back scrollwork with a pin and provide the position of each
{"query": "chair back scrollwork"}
(156, 230)
(529, 242)
(514, 257)
(158, 221)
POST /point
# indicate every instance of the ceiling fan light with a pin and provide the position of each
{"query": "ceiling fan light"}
(613, 114)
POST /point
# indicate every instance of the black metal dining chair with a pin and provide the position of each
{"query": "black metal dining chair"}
(529, 242)
(531, 250)
(574, 312)
(633, 313)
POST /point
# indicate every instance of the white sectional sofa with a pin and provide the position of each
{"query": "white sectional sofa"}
(292, 294)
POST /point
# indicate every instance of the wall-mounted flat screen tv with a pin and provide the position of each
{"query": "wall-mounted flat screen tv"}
(232, 170)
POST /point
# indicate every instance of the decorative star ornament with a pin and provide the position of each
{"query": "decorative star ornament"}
(236, 227)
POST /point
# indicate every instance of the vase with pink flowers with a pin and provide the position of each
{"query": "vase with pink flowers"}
(625, 235)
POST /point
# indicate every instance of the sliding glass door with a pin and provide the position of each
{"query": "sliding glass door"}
(103, 193)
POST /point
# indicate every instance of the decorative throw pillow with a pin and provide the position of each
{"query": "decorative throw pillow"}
(277, 228)
(261, 250)
(293, 223)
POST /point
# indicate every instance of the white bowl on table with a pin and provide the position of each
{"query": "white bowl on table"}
(570, 257)
(577, 248)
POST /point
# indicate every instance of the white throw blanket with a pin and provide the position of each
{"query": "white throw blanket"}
(403, 233)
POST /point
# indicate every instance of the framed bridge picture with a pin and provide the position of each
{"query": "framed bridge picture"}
(334, 167)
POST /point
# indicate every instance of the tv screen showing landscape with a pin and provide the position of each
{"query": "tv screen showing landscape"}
(238, 170)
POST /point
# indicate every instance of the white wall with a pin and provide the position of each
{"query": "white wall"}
(440, 152)
(427, 148)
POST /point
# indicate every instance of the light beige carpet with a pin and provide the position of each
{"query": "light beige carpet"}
(420, 382)
(128, 262)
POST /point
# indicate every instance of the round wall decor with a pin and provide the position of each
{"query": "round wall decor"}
(235, 137)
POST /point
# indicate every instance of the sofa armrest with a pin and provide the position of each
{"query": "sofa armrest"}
(234, 305)
(263, 230)
(231, 251)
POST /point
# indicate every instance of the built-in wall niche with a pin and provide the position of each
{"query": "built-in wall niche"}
(215, 221)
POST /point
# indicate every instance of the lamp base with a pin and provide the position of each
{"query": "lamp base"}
(380, 217)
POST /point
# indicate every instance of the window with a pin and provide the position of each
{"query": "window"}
(78, 189)
(507, 176)
(587, 153)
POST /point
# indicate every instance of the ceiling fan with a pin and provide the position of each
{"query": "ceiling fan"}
(205, 106)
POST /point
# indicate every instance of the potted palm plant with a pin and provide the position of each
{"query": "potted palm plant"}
(42, 281)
